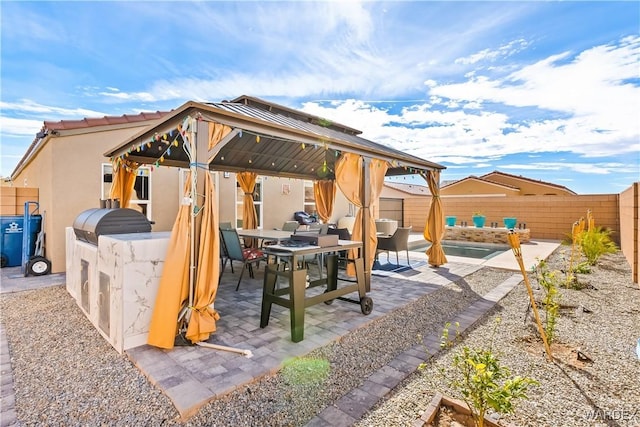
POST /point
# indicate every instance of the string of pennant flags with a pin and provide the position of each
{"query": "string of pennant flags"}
(171, 139)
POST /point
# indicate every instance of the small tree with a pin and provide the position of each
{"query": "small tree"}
(482, 381)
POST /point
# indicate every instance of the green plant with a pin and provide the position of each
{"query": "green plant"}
(582, 268)
(477, 213)
(486, 384)
(482, 381)
(595, 243)
(549, 280)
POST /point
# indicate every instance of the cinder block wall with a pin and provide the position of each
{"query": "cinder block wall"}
(629, 227)
(548, 217)
(12, 199)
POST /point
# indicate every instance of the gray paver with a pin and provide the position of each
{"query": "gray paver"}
(272, 344)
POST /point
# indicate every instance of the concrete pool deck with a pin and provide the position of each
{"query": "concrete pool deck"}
(532, 251)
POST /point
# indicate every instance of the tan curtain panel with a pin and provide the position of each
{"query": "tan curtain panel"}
(377, 171)
(217, 131)
(247, 181)
(349, 179)
(434, 229)
(324, 193)
(124, 178)
(173, 289)
(202, 321)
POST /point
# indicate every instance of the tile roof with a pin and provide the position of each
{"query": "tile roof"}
(102, 121)
(524, 178)
(49, 126)
(417, 190)
(481, 179)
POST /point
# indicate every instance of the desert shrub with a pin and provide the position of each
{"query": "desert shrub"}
(595, 243)
(549, 281)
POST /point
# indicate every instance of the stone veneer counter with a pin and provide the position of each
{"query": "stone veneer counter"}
(484, 235)
(115, 283)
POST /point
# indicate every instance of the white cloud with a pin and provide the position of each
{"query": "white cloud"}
(491, 55)
(19, 127)
(598, 111)
(584, 168)
(48, 112)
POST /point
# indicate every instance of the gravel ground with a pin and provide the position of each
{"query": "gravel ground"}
(66, 374)
(601, 320)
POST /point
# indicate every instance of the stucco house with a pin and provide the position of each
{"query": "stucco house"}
(67, 164)
(500, 183)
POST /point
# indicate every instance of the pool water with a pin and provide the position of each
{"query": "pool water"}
(473, 251)
(470, 251)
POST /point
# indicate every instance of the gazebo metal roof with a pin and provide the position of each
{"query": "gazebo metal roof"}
(267, 138)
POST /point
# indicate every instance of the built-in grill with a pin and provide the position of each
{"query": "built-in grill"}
(92, 223)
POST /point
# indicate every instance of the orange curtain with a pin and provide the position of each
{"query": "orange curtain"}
(124, 178)
(377, 171)
(203, 317)
(217, 131)
(349, 176)
(324, 193)
(434, 229)
(247, 182)
(173, 289)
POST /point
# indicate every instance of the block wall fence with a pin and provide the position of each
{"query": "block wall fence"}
(629, 227)
(548, 217)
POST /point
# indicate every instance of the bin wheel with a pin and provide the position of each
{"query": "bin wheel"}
(4, 260)
(366, 305)
(38, 266)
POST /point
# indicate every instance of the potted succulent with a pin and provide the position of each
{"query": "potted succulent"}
(510, 222)
(450, 220)
(478, 219)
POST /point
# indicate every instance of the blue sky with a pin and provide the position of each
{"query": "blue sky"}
(547, 90)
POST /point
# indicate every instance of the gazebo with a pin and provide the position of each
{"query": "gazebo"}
(251, 137)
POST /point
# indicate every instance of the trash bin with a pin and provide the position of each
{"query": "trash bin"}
(12, 228)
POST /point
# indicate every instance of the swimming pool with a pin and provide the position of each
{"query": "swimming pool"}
(469, 249)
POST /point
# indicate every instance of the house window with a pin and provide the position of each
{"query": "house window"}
(309, 198)
(183, 173)
(141, 197)
(257, 201)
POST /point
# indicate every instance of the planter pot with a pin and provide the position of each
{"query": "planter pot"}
(450, 220)
(478, 220)
(510, 223)
(460, 412)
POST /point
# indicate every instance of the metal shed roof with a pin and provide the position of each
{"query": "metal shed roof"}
(267, 138)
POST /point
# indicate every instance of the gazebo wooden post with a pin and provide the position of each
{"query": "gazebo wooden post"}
(365, 191)
(202, 148)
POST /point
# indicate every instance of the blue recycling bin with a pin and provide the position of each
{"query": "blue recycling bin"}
(12, 231)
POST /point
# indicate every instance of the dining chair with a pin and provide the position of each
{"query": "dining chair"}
(236, 252)
(290, 226)
(398, 241)
(224, 254)
(343, 234)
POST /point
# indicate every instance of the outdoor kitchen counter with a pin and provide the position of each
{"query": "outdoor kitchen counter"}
(294, 296)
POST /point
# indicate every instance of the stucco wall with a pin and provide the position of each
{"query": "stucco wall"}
(629, 227)
(548, 217)
(67, 172)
